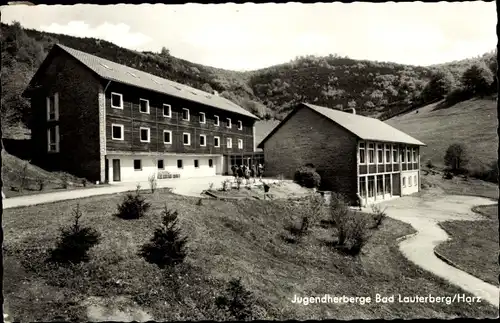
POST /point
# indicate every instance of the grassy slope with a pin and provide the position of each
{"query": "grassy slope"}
(227, 239)
(11, 169)
(472, 122)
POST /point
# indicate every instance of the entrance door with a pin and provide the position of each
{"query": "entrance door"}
(116, 170)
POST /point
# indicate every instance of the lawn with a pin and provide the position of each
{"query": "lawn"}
(227, 239)
(474, 244)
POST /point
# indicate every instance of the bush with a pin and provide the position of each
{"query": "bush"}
(307, 177)
(40, 181)
(378, 215)
(167, 247)
(357, 234)
(134, 206)
(339, 210)
(75, 241)
(84, 182)
(237, 302)
(489, 173)
(65, 181)
(153, 183)
(456, 158)
(458, 95)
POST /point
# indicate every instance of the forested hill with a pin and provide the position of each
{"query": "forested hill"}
(377, 89)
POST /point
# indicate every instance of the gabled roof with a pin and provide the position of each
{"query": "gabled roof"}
(364, 128)
(123, 74)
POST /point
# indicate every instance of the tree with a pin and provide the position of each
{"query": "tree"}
(207, 88)
(478, 79)
(456, 157)
(167, 247)
(165, 52)
(369, 105)
(351, 104)
(376, 96)
(440, 84)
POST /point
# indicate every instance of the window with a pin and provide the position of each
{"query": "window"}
(409, 181)
(167, 110)
(404, 181)
(388, 184)
(137, 164)
(414, 151)
(143, 106)
(167, 136)
(216, 121)
(371, 153)
(116, 101)
(216, 142)
(229, 143)
(240, 143)
(240, 125)
(394, 154)
(179, 163)
(116, 131)
(380, 185)
(53, 107)
(53, 139)
(185, 114)
(380, 154)
(402, 153)
(362, 186)
(210, 163)
(161, 164)
(408, 154)
(203, 140)
(362, 153)
(144, 134)
(202, 117)
(228, 122)
(415, 180)
(196, 163)
(186, 138)
(387, 153)
(371, 186)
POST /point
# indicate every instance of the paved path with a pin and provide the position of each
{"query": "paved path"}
(424, 214)
(182, 186)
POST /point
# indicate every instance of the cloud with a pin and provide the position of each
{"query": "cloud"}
(118, 34)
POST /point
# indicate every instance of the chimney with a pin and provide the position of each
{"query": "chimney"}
(353, 111)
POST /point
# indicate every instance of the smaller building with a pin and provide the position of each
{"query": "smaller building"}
(353, 154)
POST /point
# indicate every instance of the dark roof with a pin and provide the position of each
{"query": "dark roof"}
(364, 128)
(123, 74)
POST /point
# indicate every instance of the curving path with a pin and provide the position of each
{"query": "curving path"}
(424, 214)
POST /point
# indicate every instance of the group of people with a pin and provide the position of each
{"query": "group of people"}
(246, 172)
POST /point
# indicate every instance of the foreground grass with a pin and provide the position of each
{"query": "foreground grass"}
(226, 240)
(474, 244)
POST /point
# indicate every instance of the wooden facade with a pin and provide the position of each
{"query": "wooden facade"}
(132, 120)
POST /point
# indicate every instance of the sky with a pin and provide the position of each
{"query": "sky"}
(252, 36)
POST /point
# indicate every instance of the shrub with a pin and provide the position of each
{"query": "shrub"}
(153, 183)
(307, 177)
(457, 95)
(226, 185)
(456, 158)
(357, 233)
(75, 241)
(489, 173)
(378, 215)
(84, 182)
(429, 164)
(65, 181)
(40, 181)
(134, 206)
(237, 302)
(339, 210)
(167, 247)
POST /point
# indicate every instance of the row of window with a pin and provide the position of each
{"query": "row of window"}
(161, 164)
(117, 133)
(409, 180)
(117, 103)
(377, 180)
(367, 153)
